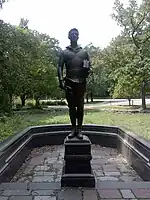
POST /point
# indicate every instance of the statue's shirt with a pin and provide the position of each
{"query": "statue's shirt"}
(74, 60)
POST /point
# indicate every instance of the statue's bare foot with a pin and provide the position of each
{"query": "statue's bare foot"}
(72, 134)
(79, 134)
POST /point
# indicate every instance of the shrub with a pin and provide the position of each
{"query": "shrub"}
(53, 103)
(30, 104)
(18, 106)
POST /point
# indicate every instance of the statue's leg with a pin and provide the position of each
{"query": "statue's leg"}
(80, 109)
(72, 114)
(80, 115)
(72, 109)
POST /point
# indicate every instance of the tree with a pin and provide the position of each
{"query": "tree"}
(135, 21)
(7, 67)
(93, 52)
(44, 71)
(127, 85)
(41, 76)
(25, 45)
(114, 61)
(2, 2)
(28, 64)
(23, 23)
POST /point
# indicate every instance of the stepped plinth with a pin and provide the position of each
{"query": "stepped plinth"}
(77, 170)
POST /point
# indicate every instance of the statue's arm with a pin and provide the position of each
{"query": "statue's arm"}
(60, 67)
(90, 64)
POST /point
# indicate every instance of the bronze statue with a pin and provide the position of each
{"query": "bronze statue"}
(77, 65)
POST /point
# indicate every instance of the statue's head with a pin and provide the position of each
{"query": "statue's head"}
(73, 35)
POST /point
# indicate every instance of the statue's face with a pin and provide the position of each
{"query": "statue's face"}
(74, 35)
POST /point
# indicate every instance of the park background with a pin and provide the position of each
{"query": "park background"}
(117, 91)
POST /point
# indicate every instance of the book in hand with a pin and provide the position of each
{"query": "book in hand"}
(86, 64)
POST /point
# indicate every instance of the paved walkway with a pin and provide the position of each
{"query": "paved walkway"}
(52, 191)
(39, 178)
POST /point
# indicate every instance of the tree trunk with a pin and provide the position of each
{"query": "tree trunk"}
(37, 102)
(87, 98)
(23, 99)
(143, 83)
(129, 102)
(5, 105)
(91, 94)
(10, 100)
(143, 95)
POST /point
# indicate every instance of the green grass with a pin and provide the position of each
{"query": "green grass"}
(123, 107)
(137, 123)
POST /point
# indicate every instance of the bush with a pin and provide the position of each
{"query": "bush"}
(30, 104)
(53, 103)
(18, 106)
(62, 103)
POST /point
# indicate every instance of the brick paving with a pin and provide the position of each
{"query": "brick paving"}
(40, 175)
(76, 193)
(45, 165)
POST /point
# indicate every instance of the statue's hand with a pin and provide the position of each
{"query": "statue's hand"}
(62, 84)
(85, 72)
(86, 68)
(86, 64)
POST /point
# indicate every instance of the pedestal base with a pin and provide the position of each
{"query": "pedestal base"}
(78, 180)
(77, 171)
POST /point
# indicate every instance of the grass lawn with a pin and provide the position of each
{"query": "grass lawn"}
(137, 123)
(123, 107)
(126, 107)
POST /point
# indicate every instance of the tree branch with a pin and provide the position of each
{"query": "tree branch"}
(134, 40)
(135, 29)
(146, 39)
(141, 20)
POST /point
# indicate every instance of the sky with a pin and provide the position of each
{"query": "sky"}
(56, 17)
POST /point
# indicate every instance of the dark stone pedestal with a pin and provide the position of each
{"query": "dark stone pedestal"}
(77, 171)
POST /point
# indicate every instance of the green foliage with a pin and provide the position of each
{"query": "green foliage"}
(28, 60)
(97, 83)
(18, 106)
(30, 104)
(27, 64)
(122, 66)
(54, 103)
(126, 87)
(135, 22)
